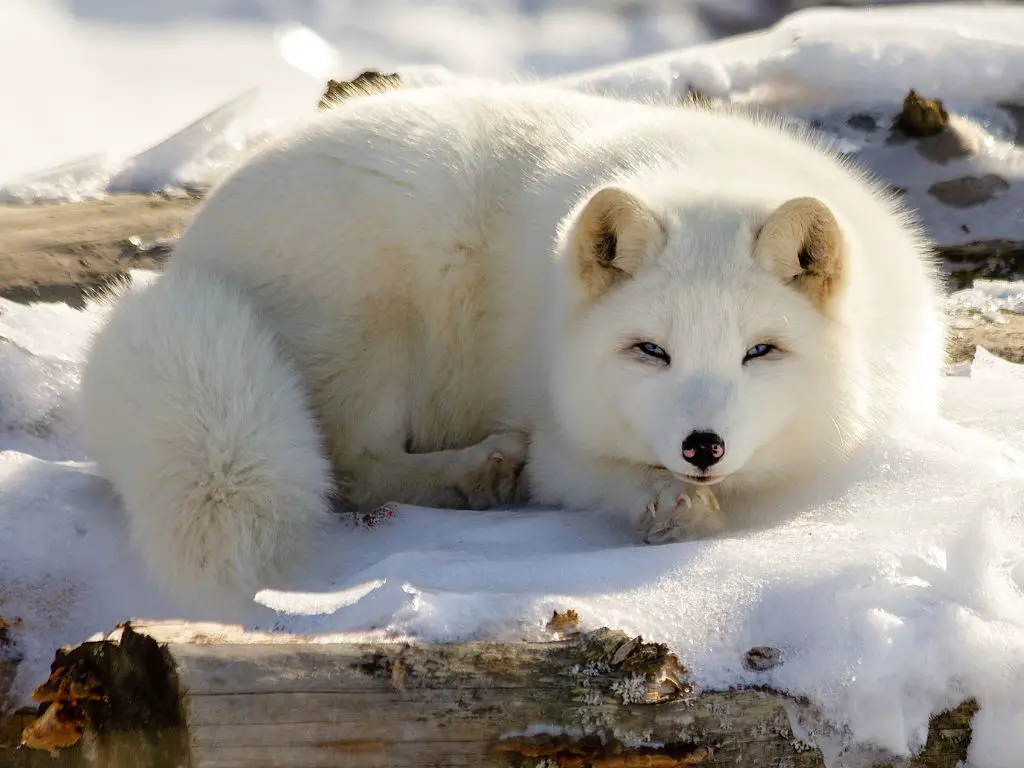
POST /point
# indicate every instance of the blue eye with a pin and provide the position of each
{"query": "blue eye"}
(758, 350)
(651, 349)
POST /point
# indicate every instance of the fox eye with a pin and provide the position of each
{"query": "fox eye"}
(758, 350)
(652, 350)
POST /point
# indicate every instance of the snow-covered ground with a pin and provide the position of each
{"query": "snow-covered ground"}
(893, 594)
(88, 76)
(92, 124)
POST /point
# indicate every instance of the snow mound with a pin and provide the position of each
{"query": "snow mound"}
(843, 56)
(843, 71)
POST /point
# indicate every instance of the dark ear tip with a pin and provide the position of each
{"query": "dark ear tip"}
(805, 257)
(606, 245)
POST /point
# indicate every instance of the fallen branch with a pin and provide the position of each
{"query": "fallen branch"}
(215, 695)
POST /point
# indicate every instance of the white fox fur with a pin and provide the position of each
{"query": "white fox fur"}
(418, 292)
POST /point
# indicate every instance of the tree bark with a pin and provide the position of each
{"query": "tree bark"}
(198, 696)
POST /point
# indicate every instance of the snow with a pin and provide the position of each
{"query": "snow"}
(101, 80)
(838, 69)
(845, 56)
(891, 594)
(988, 298)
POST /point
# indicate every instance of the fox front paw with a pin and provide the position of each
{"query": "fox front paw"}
(680, 512)
(495, 476)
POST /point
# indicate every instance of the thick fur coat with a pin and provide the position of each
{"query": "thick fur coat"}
(477, 296)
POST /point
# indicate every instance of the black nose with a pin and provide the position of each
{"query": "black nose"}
(703, 449)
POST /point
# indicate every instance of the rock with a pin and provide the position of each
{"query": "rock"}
(968, 191)
(920, 116)
(1017, 113)
(564, 622)
(862, 122)
(939, 136)
(762, 658)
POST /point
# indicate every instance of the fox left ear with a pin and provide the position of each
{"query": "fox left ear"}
(802, 244)
(612, 236)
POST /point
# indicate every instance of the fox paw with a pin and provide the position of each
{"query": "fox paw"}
(494, 478)
(680, 513)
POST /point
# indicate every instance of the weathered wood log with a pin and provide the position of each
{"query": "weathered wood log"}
(216, 696)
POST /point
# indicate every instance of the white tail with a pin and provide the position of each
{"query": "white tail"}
(202, 425)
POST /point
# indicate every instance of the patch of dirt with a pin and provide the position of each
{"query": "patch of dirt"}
(63, 252)
(1006, 340)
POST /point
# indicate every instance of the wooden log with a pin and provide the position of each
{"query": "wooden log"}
(201, 696)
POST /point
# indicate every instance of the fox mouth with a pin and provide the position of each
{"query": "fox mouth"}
(704, 479)
(700, 479)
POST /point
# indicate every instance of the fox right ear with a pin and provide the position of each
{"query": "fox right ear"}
(613, 235)
(802, 244)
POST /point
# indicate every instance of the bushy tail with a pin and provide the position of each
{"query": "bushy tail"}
(202, 425)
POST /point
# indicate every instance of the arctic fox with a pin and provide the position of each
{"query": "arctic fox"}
(473, 296)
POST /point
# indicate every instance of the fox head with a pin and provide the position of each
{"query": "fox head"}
(700, 334)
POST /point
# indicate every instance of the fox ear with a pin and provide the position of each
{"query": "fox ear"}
(802, 244)
(614, 234)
